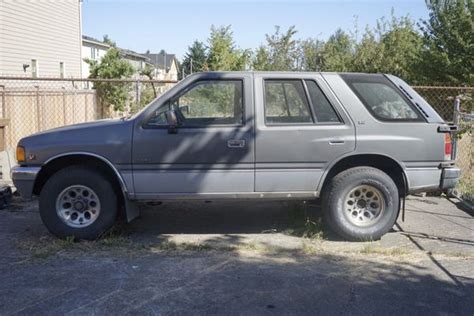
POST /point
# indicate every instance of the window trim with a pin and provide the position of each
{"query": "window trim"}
(62, 69)
(350, 79)
(168, 102)
(34, 68)
(317, 122)
(289, 123)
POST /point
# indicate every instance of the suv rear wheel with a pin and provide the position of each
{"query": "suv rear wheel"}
(361, 203)
(78, 202)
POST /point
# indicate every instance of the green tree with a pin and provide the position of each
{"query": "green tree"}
(392, 47)
(280, 52)
(148, 92)
(310, 54)
(195, 59)
(106, 39)
(111, 66)
(448, 34)
(223, 54)
(401, 46)
(261, 59)
(368, 56)
(337, 52)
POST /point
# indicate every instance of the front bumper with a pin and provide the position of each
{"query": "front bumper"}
(24, 180)
(449, 178)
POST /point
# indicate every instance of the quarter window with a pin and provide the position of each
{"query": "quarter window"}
(286, 103)
(323, 110)
(381, 98)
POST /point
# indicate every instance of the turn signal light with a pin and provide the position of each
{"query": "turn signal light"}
(20, 154)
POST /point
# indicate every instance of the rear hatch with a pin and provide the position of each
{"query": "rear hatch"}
(445, 130)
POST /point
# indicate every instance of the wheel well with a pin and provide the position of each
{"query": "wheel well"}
(78, 160)
(384, 163)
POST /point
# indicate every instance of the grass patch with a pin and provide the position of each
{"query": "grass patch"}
(303, 224)
(184, 246)
(308, 248)
(46, 247)
(370, 249)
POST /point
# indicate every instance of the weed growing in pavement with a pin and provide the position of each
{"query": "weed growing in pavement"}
(303, 224)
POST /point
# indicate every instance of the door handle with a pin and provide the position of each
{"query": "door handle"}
(236, 143)
(336, 142)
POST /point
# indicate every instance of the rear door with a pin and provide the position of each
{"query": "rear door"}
(300, 129)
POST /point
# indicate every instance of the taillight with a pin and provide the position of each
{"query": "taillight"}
(448, 146)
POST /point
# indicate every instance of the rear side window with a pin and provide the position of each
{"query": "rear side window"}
(381, 98)
(286, 103)
(322, 108)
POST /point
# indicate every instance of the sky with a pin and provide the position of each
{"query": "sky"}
(173, 25)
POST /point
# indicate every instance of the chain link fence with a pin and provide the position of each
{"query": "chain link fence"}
(29, 105)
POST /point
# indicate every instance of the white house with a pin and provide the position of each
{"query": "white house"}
(95, 49)
(40, 38)
(166, 65)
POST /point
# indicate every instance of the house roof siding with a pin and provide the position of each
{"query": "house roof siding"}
(160, 59)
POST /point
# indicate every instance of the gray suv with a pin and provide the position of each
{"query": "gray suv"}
(360, 142)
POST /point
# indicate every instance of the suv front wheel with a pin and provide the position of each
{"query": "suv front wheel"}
(78, 202)
(361, 203)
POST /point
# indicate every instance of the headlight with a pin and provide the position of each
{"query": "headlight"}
(20, 154)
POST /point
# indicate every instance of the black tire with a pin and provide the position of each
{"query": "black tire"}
(337, 213)
(78, 175)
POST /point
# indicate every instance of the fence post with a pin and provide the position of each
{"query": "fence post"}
(3, 134)
(74, 96)
(3, 101)
(86, 105)
(38, 109)
(137, 91)
(457, 110)
(64, 105)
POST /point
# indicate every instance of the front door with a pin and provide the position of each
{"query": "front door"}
(301, 129)
(212, 150)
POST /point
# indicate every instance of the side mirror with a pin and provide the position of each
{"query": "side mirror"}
(172, 120)
(184, 109)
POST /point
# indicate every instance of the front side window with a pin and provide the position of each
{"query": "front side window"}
(210, 102)
(382, 99)
(286, 103)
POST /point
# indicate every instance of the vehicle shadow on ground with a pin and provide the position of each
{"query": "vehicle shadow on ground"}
(238, 217)
(228, 283)
(123, 277)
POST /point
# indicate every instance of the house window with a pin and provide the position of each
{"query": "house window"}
(93, 52)
(61, 69)
(34, 68)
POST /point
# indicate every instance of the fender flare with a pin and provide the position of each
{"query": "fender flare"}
(131, 208)
(352, 154)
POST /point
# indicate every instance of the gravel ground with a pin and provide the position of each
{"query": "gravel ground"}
(240, 258)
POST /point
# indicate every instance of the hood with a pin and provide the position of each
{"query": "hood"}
(78, 126)
(107, 138)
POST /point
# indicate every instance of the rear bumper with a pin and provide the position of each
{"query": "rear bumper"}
(449, 178)
(444, 177)
(24, 180)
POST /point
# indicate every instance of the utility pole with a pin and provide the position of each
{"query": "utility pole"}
(191, 66)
